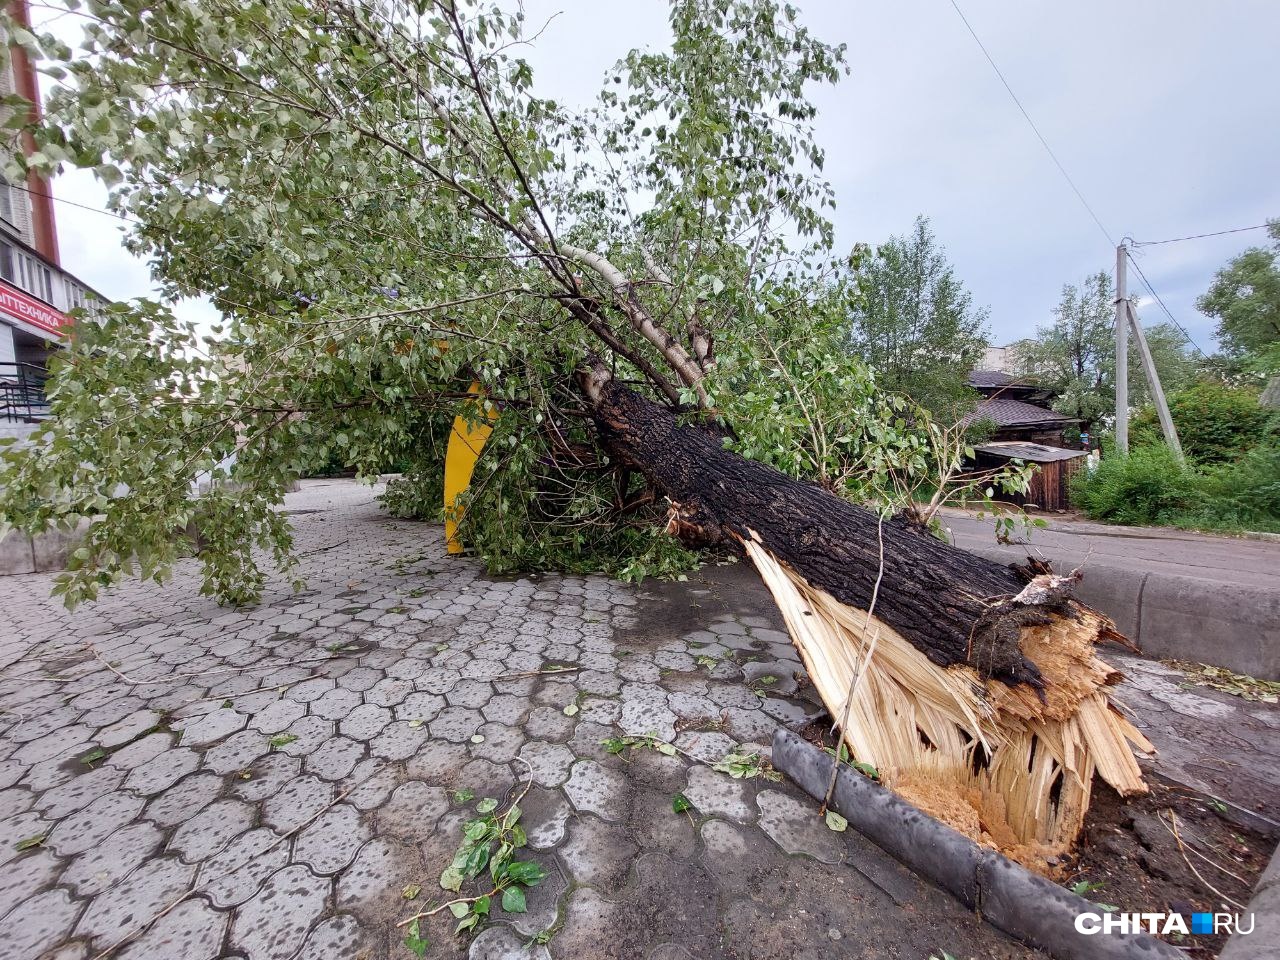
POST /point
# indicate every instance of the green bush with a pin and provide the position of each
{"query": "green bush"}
(1148, 486)
(1244, 495)
(1215, 423)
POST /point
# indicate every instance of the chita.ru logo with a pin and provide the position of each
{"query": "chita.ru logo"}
(1163, 923)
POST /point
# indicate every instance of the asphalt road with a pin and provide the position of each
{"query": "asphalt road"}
(1072, 543)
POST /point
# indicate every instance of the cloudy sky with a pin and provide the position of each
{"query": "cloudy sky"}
(1164, 113)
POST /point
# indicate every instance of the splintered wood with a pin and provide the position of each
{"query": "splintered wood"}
(994, 761)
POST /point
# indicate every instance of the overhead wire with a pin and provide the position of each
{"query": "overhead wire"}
(1040, 136)
(1167, 312)
(1199, 236)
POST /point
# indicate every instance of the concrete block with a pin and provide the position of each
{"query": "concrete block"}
(1236, 626)
(1042, 914)
(16, 554)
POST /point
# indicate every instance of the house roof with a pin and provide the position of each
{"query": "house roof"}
(1008, 412)
(1031, 452)
(991, 378)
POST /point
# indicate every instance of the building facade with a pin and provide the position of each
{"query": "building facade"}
(36, 293)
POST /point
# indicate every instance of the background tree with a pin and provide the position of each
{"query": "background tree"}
(1075, 354)
(1245, 300)
(916, 325)
(398, 230)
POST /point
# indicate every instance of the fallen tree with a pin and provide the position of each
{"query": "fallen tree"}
(385, 215)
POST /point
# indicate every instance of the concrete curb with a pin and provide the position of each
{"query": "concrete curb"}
(1028, 907)
(1167, 615)
(1264, 942)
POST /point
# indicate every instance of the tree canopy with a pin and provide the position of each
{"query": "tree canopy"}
(1245, 300)
(915, 324)
(385, 213)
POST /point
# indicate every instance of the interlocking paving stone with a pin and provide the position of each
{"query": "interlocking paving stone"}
(78, 792)
(335, 758)
(236, 874)
(38, 924)
(266, 775)
(275, 922)
(193, 930)
(500, 942)
(412, 811)
(211, 829)
(380, 870)
(163, 771)
(456, 724)
(599, 854)
(336, 938)
(122, 908)
(330, 842)
(109, 862)
(28, 873)
(210, 727)
(237, 752)
(593, 788)
(93, 824)
(549, 762)
(796, 827)
(297, 802)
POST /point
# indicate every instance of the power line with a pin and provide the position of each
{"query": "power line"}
(1199, 236)
(1152, 290)
(1043, 142)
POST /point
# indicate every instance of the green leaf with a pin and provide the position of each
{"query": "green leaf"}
(666, 749)
(836, 822)
(571, 710)
(680, 803)
(526, 872)
(513, 900)
(30, 842)
(414, 940)
(481, 906)
(487, 805)
(451, 879)
(464, 795)
(459, 909)
(410, 891)
(282, 740)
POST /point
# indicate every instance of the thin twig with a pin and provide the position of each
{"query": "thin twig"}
(449, 903)
(1182, 848)
(534, 673)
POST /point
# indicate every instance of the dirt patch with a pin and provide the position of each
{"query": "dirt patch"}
(1129, 851)
(1129, 860)
(671, 608)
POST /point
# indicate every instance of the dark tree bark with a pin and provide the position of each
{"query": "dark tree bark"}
(952, 605)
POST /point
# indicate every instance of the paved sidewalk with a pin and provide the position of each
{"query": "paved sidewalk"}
(138, 772)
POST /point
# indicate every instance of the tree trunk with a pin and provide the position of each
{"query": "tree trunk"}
(951, 604)
(971, 687)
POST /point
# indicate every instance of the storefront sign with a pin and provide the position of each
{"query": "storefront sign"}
(22, 306)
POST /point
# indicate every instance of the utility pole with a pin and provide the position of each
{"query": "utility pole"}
(1127, 319)
(1122, 351)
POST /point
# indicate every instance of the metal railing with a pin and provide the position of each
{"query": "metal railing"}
(22, 392)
